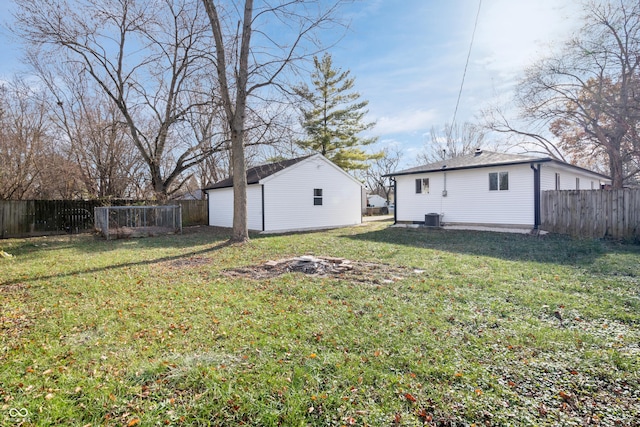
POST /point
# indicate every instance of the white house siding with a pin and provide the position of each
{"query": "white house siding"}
(289, 197)
(376, 201)
(468, 199)
(221, 207)
(254, 207)
(568, 177)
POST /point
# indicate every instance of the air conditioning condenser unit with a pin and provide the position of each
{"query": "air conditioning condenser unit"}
(432, 220)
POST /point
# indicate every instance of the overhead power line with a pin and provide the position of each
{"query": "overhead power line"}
(466, 65)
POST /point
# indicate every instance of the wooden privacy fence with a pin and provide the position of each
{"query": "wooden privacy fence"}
(592, 213)
(194, 212)
(24, 218)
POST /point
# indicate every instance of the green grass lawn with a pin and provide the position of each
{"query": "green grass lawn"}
(431, 327)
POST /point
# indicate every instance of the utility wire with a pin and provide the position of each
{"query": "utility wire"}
(473, 35)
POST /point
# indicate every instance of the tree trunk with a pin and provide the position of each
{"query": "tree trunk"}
(235, 111)
(233, 71)
(616, 169)
(158, 185)
(240, 227)
(240, 231)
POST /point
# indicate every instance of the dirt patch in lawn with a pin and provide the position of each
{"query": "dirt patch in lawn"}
(194, 261)
(14, 288)
(326, 267)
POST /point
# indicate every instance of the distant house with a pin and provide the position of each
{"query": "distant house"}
(376, 201)
(485, 188)
(197, 194)
(300, 194)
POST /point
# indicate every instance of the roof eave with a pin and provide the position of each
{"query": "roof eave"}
(561, 163)
(519, 162)
(227, 186)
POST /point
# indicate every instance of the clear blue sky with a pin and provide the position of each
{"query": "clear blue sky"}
(408, 57)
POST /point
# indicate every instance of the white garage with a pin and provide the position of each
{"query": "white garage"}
(299, 194)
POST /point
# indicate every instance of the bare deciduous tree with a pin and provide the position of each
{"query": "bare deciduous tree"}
(255, 45)
(148, 57)
(24, 140)
(59, 178)
(375, 177)
(536, 139)
(452, 141)
(93, 136)
(588, 93)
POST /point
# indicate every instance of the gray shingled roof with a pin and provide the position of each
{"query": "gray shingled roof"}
(255, 174)
(477, 160)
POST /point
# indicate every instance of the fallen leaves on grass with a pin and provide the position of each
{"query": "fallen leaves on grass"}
(424, 416)
(565, 396)
(410, 397)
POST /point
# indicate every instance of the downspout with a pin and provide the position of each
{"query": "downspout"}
(206, 192)
(536, 195)
(363, 203)
(395, 201)
(262, 188)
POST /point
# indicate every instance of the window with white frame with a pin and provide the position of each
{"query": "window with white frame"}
(557, 181)
(422, 186)
(317, 196)
(498, 181)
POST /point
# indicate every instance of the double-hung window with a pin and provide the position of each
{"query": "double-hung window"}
(317, 196)
(498, 181)
(422, 186)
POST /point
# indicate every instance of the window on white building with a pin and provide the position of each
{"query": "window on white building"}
(498, 181)
(422, 186)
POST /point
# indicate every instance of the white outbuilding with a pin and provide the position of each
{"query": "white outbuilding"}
(306, 193)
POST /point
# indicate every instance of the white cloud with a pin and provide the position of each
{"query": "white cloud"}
(407, 121)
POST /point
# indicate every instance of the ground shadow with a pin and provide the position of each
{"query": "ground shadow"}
(221, 242)
(92, 243)
(553, 249)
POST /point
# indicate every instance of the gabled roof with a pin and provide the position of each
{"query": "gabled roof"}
(483, 159)
(255, 174)
(476, 160)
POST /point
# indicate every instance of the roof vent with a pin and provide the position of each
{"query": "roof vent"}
(478, 151)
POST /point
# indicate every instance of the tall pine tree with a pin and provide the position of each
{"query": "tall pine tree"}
(333, 117)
